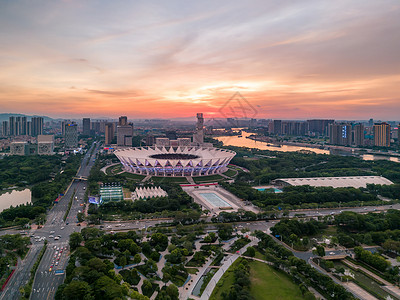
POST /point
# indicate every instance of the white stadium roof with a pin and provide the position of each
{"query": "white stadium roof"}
(336, 182)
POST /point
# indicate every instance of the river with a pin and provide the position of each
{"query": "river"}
(14, 198)
(242, 141)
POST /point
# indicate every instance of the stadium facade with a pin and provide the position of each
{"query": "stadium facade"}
(175, 161)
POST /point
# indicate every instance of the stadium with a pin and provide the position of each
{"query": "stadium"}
(175, 161)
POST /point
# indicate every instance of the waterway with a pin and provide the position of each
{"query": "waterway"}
(14, 198)
(242, 141)
(380, 157)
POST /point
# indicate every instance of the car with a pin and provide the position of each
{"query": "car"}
(50, 269)
(331, 253)
(51, 236)
(62, 228)
(51, 232)
(55, 255)
(56, 263)
(67, 223)
(365, 208)
(56, 238)
(81, 204)
(55, 247)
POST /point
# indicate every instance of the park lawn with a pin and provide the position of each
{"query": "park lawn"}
(271, 284)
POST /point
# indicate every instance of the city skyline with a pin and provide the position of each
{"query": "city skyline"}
(305, 60)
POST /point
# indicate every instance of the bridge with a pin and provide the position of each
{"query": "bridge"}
(80, 178)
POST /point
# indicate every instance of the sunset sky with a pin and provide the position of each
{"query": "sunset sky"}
(161, 59)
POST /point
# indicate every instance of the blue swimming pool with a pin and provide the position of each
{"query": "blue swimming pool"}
(275, 190)
(214, 200)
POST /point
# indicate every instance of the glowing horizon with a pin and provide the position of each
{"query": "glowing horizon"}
(290, 60)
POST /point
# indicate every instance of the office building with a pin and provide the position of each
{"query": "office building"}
(124, 132)
(381, 134)
(37, 126)
(19, 148)
(109, 133)
(71, 136)
(86, 126)
(45, 144)
(123, 121)
(150, 140)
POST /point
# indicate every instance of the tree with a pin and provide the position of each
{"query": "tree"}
(75, 239)
(320, 250)
(77, 290)
(250, 251)
(173, 292)
(137, 258)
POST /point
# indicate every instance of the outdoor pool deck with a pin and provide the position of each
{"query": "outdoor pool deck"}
(216, 199)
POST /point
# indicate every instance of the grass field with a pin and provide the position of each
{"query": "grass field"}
(230, 173)
(210, 178)
(268, 283)
(168, 179)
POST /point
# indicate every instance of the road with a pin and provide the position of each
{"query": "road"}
(55, 258)
(46, 282)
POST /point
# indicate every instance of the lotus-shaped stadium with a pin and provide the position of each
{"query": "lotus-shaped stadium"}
(175, 161)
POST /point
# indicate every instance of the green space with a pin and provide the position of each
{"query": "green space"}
(43, 193)
(224, 284)
(230, 173)
(210, 178)
(114, 169)
(11, 247)
(165, 180)
(135, 177)
(27, 170)
(271, 284)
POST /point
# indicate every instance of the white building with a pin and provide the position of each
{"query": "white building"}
(148, 192)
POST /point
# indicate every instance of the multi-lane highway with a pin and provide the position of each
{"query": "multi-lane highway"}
(56, 232)
(50, 271)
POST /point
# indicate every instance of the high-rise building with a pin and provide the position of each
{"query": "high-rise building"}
(23, 125)
(359, 136)
(86, 126)
(4, 128)
(198, 136)
(340, 134)
(382, 134)
(123, 121)
(37, 126)
(71, 136)
(124, 132)
(319, 126)
(12, 125)
(109, 133)
(278, 127)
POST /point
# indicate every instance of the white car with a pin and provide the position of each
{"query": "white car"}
(331, 253)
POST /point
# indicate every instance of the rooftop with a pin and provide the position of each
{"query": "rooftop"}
(336, 182)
